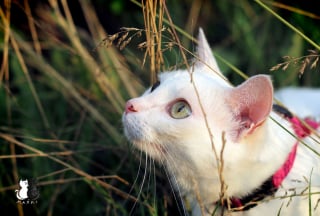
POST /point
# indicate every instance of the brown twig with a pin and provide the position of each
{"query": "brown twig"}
(223, 186)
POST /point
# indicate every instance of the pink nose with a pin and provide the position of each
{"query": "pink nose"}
(130, 107)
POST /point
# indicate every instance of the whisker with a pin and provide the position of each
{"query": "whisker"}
(176, 191)
(141, 186)
(137, 176)
(155, 184)
(149, 173)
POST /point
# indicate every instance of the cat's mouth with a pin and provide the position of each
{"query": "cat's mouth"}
(142, 137)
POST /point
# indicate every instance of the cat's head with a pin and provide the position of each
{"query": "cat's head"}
(188, 111)
(23, 183)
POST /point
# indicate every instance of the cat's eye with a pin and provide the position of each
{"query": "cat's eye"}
(180, 110)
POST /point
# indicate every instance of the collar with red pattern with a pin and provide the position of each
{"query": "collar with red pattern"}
(271, 185)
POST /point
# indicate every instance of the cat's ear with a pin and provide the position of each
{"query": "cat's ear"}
(205, 56)
(250, 103)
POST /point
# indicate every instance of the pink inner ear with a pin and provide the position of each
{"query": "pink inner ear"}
(251, 103)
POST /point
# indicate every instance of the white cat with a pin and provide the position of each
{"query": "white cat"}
(22, 194)
(195, 123)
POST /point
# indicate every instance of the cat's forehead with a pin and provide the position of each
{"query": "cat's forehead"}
(183, 78)
(182, 85)
(170, 85)
(175, 79)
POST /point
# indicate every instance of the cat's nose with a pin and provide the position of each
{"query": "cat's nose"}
(130, 107)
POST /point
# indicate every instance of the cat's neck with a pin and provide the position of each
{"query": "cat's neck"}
(268, 150)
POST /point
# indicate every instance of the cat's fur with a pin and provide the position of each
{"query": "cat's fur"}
(255, 146)
(305, 102)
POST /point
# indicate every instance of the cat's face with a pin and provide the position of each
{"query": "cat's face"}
(186, 117)
(168, 116)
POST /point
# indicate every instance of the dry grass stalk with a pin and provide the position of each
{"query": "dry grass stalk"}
(176, 41)
(32, 27)
(69, 27)
(34, 59)
(129, 81)
(4, 75)
(5, 17)
(153, 30)
(198, 196)
(65, 181)
(293, 9)
(78, 171)
(122, 38)
(223, 186)
(303, 62)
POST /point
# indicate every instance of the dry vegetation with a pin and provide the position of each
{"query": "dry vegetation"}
(64, 85)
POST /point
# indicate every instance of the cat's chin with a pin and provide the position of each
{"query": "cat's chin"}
(154, 150)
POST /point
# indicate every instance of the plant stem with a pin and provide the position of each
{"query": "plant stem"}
(288, 24)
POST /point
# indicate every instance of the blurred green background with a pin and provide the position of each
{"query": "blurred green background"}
(63, 89)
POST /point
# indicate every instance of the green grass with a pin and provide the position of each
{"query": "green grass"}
(62, 93)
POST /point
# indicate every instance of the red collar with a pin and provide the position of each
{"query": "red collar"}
(270, 186)
(301, 131)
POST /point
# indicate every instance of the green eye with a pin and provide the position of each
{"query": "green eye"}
(180, 110)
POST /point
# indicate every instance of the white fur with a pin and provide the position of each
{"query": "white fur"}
(251, 154)
(305, 102)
